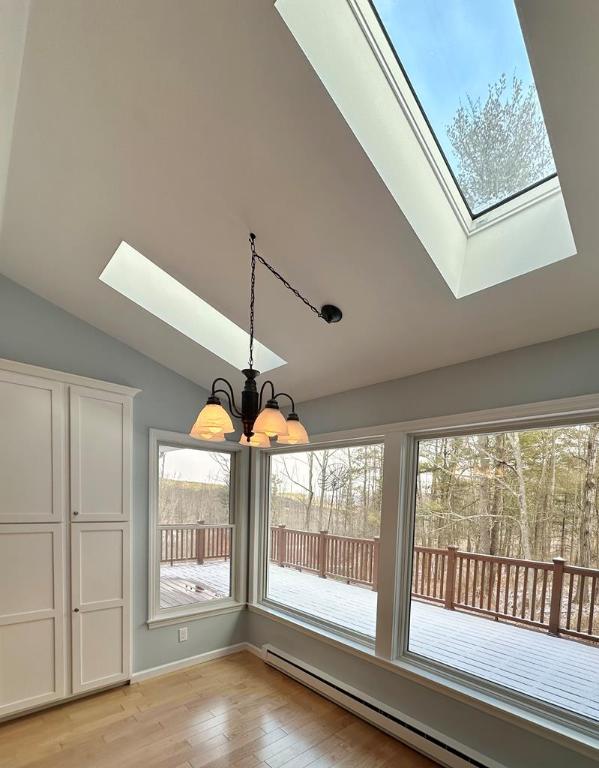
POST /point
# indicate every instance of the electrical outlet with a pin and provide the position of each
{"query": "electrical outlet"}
(182, 634)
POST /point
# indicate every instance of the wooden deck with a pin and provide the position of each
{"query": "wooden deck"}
(188, 583)
(556, 670)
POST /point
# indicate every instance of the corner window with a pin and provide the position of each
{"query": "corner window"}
(193, 531)
(324, 517)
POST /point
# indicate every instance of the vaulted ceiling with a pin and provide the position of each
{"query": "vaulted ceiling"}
(179, 125)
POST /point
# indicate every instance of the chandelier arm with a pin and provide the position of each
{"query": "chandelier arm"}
(272, 392)
(230, 395)
(234, 410)
(284, 394)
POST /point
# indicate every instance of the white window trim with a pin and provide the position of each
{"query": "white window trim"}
(158, 617)
(390, 650)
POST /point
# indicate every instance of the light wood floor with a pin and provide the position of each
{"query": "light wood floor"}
(232, 713)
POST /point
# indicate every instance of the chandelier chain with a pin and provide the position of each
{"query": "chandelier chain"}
(252, 302)
(286, 283)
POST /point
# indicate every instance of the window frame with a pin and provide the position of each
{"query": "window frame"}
(397, 520)
(487, 213)
(261, 587)
(408, 479)
(236, 601)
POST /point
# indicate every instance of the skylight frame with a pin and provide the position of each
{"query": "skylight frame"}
(479, 215)
(349, 53)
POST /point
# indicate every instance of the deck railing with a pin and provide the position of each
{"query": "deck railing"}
(561, 598)
(343, 557)
(197, 542)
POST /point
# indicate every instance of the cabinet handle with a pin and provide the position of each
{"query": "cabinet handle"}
(75, 512)
(75, 610)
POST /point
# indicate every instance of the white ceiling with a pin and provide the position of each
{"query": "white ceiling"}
(179, 125)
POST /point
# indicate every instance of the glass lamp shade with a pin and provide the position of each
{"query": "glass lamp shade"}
(212, 418)
(213, 437)
(271, 422)
(297, 434)
(257, 440)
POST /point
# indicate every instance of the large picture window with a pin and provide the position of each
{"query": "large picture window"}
(472, 561)
(505, 561)
(193, 525)
(324, 517)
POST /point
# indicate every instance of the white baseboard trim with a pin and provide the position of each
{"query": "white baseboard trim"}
(191, 661)
(443, 749)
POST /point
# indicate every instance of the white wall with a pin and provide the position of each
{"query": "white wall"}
(34, 331)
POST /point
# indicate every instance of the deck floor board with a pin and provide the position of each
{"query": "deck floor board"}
(559, 671)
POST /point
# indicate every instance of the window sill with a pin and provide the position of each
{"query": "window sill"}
(581, 738)
(169, 619)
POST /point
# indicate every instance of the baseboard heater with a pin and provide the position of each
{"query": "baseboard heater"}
(413, 734)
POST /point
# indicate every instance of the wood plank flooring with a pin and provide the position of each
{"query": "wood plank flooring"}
(232, 713)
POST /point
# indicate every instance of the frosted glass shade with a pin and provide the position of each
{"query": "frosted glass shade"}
(297, 434)
(271, 422)
(212, 418)
(213, 437)
(257, 440)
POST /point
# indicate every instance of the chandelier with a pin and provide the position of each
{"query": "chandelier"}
(260, 424)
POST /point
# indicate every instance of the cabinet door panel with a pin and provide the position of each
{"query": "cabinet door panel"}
(100, 603)
(32, 466)
(31, 616)
(100, 455)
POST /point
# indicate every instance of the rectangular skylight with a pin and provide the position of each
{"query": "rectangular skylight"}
(467, 65)
(150, 287)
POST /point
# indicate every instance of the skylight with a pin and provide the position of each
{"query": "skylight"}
(150, 287)
(467, 65)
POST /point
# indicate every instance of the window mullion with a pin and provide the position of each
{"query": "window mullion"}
(387, 613)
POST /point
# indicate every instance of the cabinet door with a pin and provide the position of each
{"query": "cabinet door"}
(32, 464)
(100, 604)
(100, 455)
(31, 616)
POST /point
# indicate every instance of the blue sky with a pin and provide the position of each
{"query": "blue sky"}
(450, 48)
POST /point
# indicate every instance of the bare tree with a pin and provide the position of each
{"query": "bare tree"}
(501, 144)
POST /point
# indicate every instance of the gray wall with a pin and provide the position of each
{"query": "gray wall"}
(34, 331)
(561, 368)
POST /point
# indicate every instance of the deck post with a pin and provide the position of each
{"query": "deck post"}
(376, 545)
(556, 595)
(200, 543)
(282, 546)
(450, 577)
(322, 554)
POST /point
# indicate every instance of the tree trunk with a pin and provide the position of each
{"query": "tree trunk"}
(588, 500)
(514, 439)
(484, 532)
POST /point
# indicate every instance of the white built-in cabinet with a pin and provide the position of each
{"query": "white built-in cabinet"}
(65, 497)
